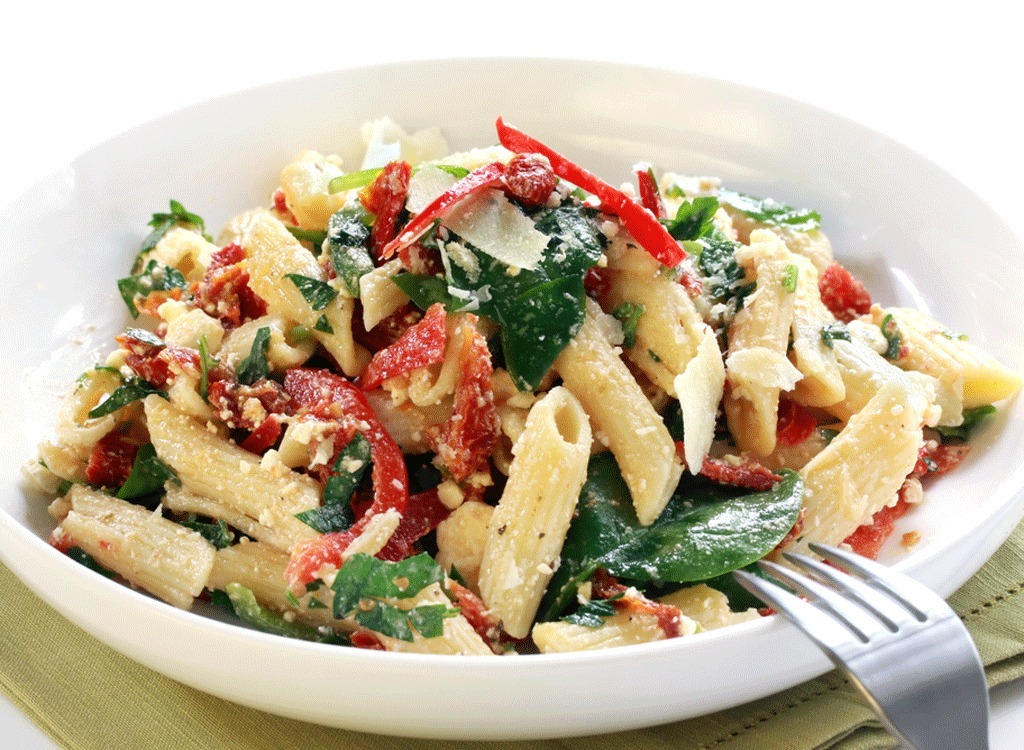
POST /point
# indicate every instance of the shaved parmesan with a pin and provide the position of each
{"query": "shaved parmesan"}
(494, 225)
(426, 184)
(700, 388)
(386, 141)
(758, 368)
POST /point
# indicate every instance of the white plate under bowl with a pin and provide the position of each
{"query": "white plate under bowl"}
(916, 235)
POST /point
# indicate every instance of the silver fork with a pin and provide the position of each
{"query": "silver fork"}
(899, 643)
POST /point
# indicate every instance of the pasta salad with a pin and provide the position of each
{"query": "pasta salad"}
(487, 403)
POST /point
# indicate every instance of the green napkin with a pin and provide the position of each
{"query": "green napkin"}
(88, 697)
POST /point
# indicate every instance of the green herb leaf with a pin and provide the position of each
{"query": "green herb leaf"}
(314, 236)
(773, 213)
(454, 171)
(893, 338)
(216, 533)
(347, 234)
(252, 613)
(255, 366)
(206, 363)
(790, 274)
(353, 180)
(148, 475)
(365, 577)
(724, 278)
(336, 512)
(323, 325)
(834, 332)
(319, 294)
(591, 614)
(972, 420)
(156, 277)
(705, 531)
(629, 314)
(694, 219)
(133, 389)
(163, 223)
(82, 557)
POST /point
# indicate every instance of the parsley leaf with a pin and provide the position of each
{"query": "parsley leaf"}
(771, 212)
(972, 420)
(148, 475)
(336, 512)
(255, 366)
(893, 337)
(163, 223)
(834, 332)
(629, 314)
(694, 219)
(323, 325)
(156, 277)
(131, 390)
(319, 294)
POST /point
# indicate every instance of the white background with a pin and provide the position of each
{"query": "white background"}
(947, 81)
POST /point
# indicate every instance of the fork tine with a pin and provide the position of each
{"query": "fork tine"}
(820, 627)
(862, 622)
(890, 613)
(917, 599)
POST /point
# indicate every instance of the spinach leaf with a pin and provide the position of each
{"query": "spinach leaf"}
(592, 613)
(768, 211)
(156, 277)
(336, 512)
(82, 557)
(251, 612)
(724, 278)
(346, 239)
(893, 337)
(314, 236)
(163, 223)
(131, 390)
(705, 531)
(216, 533)
(972, 420)
(319, 294)
(148, 475)
(255, 366)
(694, 219)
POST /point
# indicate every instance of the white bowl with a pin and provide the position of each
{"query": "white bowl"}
(916, 235)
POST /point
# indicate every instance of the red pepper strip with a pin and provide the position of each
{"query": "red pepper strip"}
(421, 345)
(796, 423)
(475, 611)
(263, 437)
(317, 391)
(424, 513)
(641, 223)
(650, 198)
(474, 182)
(385, 197)
(111, 460)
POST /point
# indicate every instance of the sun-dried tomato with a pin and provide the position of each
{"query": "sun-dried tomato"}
(281, 206)
(935, 459)
(605, 586)
(868, 539)
(464, 443)
(843, 294)
(246, 406)
(597, 282)
(385, 198)
(152, 301)
(387, 331)
(529, 179)
(424, 513)
(224, 291)
(111, 460)
(421, 345)
(479, 616)
(749, 474)
(420, 260)
(796, 423)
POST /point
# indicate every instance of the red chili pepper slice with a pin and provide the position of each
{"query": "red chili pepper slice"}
(650, 197)
(641, 223)
(421, 345)
(465, 441)
(796, 423)
(385, 197)
(477, 180)
(316, 391)
(843, 294)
